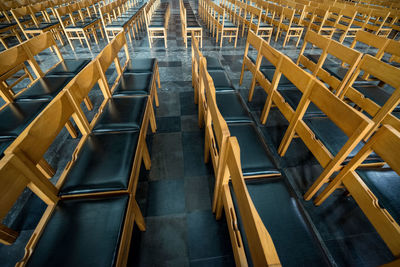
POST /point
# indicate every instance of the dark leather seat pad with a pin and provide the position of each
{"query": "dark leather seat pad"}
(375, 93)
(221, 80)
(45, 88)
(253, 154)
(141, 65)
(134, 84)
(82, 232)
(231, 107)
(293, 97)
(16, 116)
(69, 67)
(282, 218)
(283, 82)
(265, 64)
(122, 114)
(4, 143)
(333, 137)
(339, 72)
(213, 63)
(385, 184)
(103, 164)
(313, 57)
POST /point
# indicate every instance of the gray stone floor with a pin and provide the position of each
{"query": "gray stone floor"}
(175, 195)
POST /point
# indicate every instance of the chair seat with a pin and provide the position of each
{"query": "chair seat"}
(283, 82)
(221, 80)
(282, 218)
(45, 88)
(213, 63)
(134, 84)
(6, 25)
(82, 232)
(42, 26)
(122, 114)
(141, 65)
(103, 164)
(265, 64)
(16, 116)
(375, 93)
(69, 67)
(340, 72)
(333, 137)
(156, 25)
(4, 143)
(385, 184)
(313, 57)
(231, 107)
(254, 157)
(293, 97)
(81, 24)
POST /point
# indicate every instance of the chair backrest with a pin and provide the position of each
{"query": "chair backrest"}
(14, 178)
(393, 49)
(11, 61)
(314, 39)
(262, 249)
(36, 139)
(348, 57)
(370, 39)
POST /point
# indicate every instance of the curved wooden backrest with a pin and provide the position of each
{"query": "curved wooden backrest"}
(369, 39)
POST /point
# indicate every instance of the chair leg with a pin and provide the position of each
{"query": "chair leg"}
(146, 156)
(139, 219)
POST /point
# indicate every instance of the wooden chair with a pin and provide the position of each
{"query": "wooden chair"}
(374, 190)
(63, 213)
(253, 210)
(224, 26)
(376, 23)
(287, 25)
(127, 82)
(217, 131)
(157, 29)
(371, 98)
(329, 70)
(257, 25)
(345, 24)
(190, 28)
(316, 131)
(319, 23)
(78, 29)
(249, 60)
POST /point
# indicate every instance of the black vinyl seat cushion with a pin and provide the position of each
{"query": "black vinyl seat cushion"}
(339, 72)
(221, 80)
(313, 57)
(265, 64)
(45, 88)
(122, 114)
(4, 144)
(103, 164)
(293, 97)
(283, 220)
(375, 93)
(81, 24)
(140, 65)
(254, 157)
(42, 26)
(231, 107)
(213, 63)
(16, 116)
(134, 84)
(82, 232)
(334, 138)
(69, 67)
(385, 184)
(283, 82)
